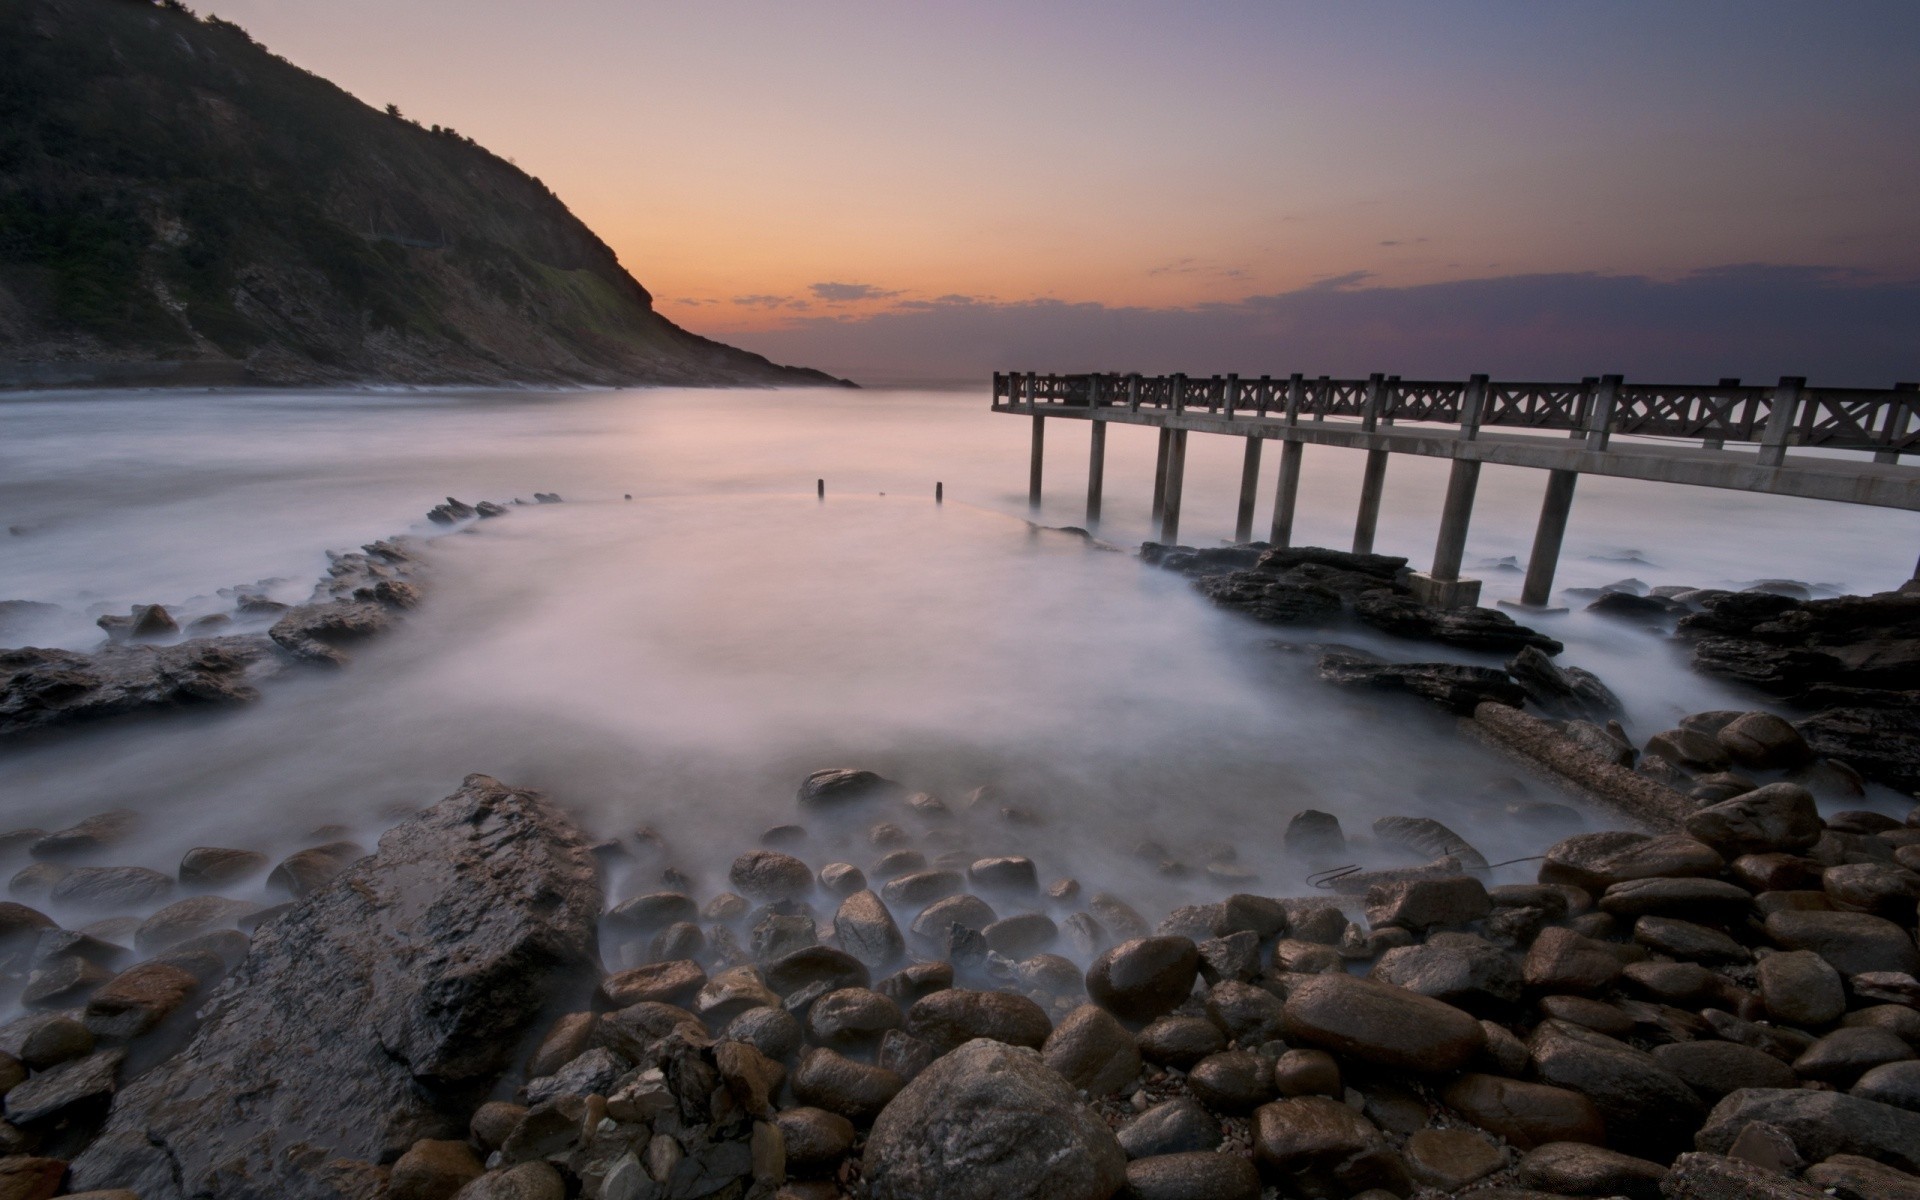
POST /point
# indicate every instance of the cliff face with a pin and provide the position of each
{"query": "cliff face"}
(171, 191)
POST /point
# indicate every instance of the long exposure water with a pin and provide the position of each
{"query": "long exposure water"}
(681, 660)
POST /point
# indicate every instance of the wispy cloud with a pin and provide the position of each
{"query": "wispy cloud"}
(843, 293)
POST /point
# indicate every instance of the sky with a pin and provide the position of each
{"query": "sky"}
(926, 191)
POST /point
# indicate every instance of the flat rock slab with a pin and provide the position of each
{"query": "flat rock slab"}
(394, 994)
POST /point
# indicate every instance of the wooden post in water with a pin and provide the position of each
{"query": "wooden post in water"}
(1249, 480)
(939, 492)
(1039, 455)
(1538, 589)
(1096, 471)
(1287, 492)
(820, 488)
(1373, 482)
(1160, 473)
(1176, 473)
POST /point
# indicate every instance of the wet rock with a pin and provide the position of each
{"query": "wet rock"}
(1145, 977)
(78, 1090)
(1308, 1134)
(1178, 1126)
(843, 785)
(1597, 861)
(306, 871)
(768, 875)
(26, 1177)
(527, 1181)
(409, 979)
(817, 965)
(1800, 988)
(1471, 628)
(1844, 1055)
(773, 1031)
(432, 1170)
(1235, 957)
(676, 981)
(189, 918)
(1192, 1176)
(732, 992)
(1693, 899)
(1561, 960)
(1235, 1081)
(102, 831)
(1117, 917)
(1525, 1114)
(1896, 1083)
(1180, 1041)
(1021, 935)
(858, 1091)
(1780, 817)
(1574, 1169)
(62, 983)
(842, 879)
(1878, 888)
(866, 930)
(1377, 1023)
(904, 1054)
(137, 1000)
(47, 1040)
(1852, 943)
(1456, 687)
(1315, 836)
(1092, 1051)
(817, 1140)
(1452, 1158)
(1012, 873)
(112, 888)
(567, 1040)
(652, 912)
(954, 1016)
(851, 1018)
(1643, 1102)
(990, 1122)
(1456, 968)
(1763, 742)
(777, 934)
(1688, 941)
(1821, 1124)
(1716, 1069)
(910, 983)
(898, 863)
(1422, 904)
(45, 687)
(1562, 691)
(1850, 1177)
(218, 867)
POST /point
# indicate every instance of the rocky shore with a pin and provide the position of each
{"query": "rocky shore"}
(1730, 1009)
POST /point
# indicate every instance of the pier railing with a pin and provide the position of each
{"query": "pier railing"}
(1884, 421)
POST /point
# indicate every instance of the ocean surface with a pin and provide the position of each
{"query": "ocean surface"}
(681, 659)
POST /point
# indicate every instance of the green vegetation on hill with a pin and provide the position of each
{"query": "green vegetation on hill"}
(169, 190)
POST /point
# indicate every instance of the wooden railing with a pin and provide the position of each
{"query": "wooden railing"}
(1788, 413)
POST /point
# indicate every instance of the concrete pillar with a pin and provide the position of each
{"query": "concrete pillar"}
(1177, 401)
(1249, 479)
(1538, 588)
(1372, 483)
(1133, 392)
(1296, 392)
(1442, 587)
(1231, 396)
(1473, 406)
(1096, 471)
(1039, 454)
(1160, 473)
(1176, 472)
(1781, 418)
(1599, 420)
(1376, 398)
(1896, 424)
(1286, 492)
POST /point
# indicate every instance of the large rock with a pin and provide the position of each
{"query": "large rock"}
(1456, 968)
(865, 929)
(1853, 943)
(1777, 817)
(1379, 1023)
(1456, 687)
(1597, 861)
(1140, 979)
(1525, 1114)
(54, 687)
(1574, 1169)
(1092, 1051)
(1645, 1104)
(991, 1122)
(1821, 1124)
(378, 1011)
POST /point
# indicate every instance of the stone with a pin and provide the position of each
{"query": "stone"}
(842, 785)
(1010, 873)
(1235, 957)
(816, 964)
(1693, 899)
(1525, 1114)
(62, 983)
(1458, 969)
(1597, 1015)
(922, 887)
(1173, 1041)
(527, 1181)
(817, 1140)
(1763, 742)
(865, 929)
(306, 871)
(1092, 1051)
(1381, 1024)
(676, 981)
(850, 1018)
(137, 1000)
(1561, 960)
(842, 879)
(1597, 861)
(1505, 1054)
(732, 992)
(1178, 1126)
(413, 975)
(908, 984)
(25, 1177)
(1192, 1176)
(1715, 1069)
(778, 934)
(1798, 987)
(217, 866)
(79, 1089)
(185, 919)
(1021, 935)
(1308, 1134)
(1844, 1055)
(653, 911)
(1688, 941)
(896, 863)
(1850, 1177)
(773, 1031)
(1852, 943)
(1235, 1081)
(1878, 888)
(858, 1091)
(493, 1122)
(1116, 916)
(1577, 1169)
(432, 1170)
(567, 1039)
(1140, 979)
(1780, 817)
(954, 1016)
(769, 875)
(990, 1122)
(111, 889)
(102, 831)
(1249, 1014)
(1821, 1124)
(1451, 1159)
(1422, 904)
(1645, 1104)
(1315, 835)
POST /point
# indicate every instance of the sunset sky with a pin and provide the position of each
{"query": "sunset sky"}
(836, 180)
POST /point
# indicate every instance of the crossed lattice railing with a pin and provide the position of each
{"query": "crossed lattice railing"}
(1788, 413)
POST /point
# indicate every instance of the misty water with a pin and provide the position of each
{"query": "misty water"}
(682, 659)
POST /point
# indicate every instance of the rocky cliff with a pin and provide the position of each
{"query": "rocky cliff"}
(177, 201)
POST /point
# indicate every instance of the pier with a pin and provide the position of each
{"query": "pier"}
(1724, 435)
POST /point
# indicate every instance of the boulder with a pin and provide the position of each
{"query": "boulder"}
(816, 1139)
(1645, 1104)
(1421, 904)
(1450, 1159)
(218, 866)
(858, 1091)
(1525, 1114)
(1895, 1083)
(1821, 1124)
(769, 875)
(1092, 1051)
(1457, 687)
(991, 1122)
(1715, 1069)
(1139, 980)
(842, 785)
(1378, 1023)
(1844, 1055)
(1561, 960)
(1458, 969)
(954, 1016)
(1852, 943)
(1778, 817)
(865, 929)
(1597, 861)
(370, 1012)
(1177, 1126)
(1764, 742)
(1234, 1081)
(1308, 1134)
(1577, 1169)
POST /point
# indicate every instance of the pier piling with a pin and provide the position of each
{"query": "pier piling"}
(1096, 471)
(1176, 475)
(1249, 480)
(1286, 493)
(1373, 483)
(1538, 588)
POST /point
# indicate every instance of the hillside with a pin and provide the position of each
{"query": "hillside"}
(173, 193)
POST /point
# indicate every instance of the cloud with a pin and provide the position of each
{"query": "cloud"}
(841, 293)
(1758, 321)
(763, 301)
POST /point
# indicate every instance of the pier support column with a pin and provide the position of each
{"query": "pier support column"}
(1538, 589)
(1286, 493)
(1176, 472)
(1039, 455)
(1096, 471)
(1442, 587)
(1249, 480)
(1160, 474)
(1372, 483)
